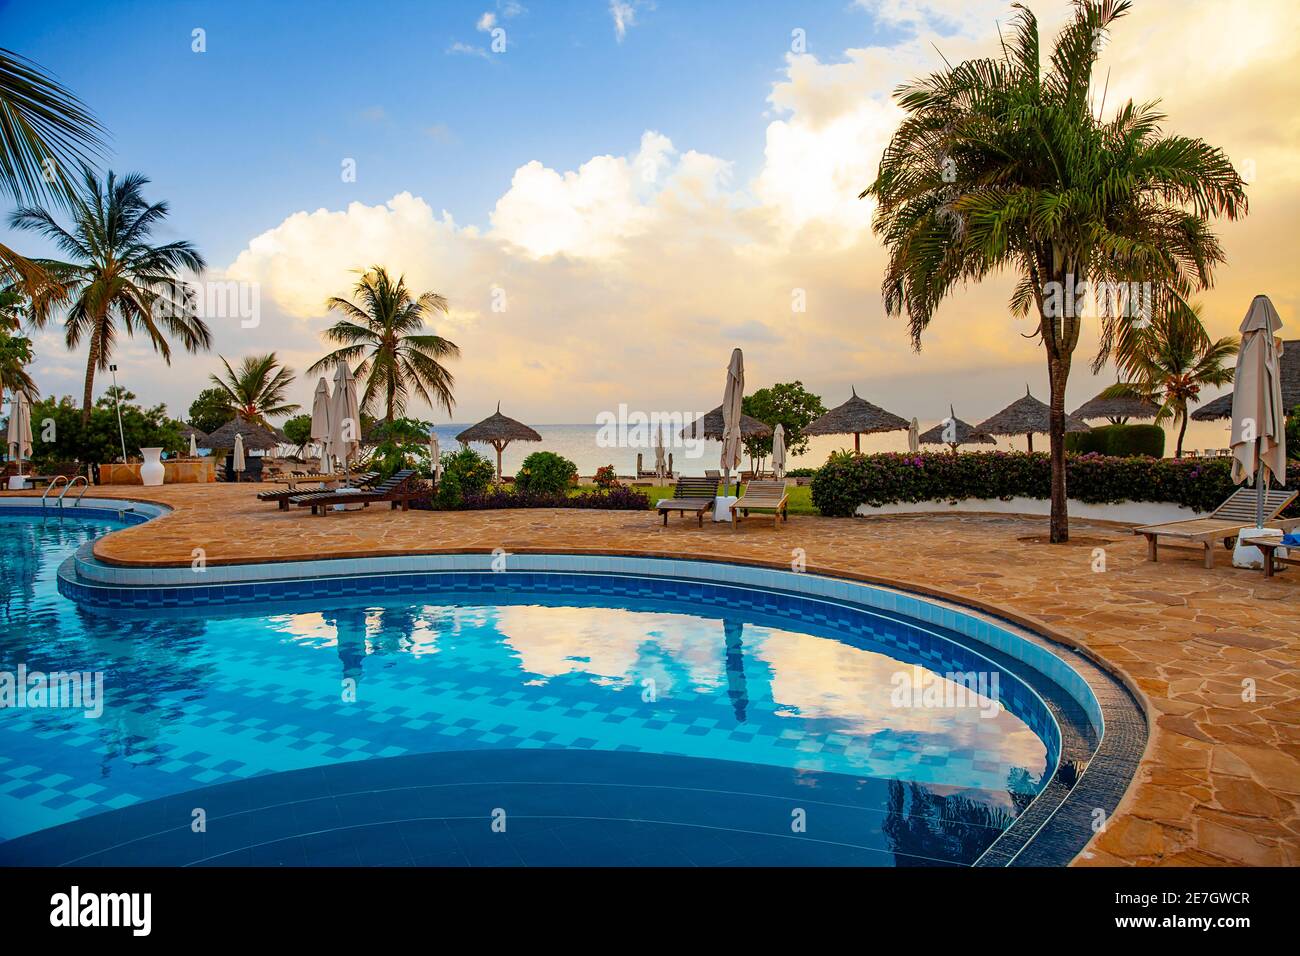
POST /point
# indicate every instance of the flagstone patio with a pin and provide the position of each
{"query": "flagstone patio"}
(1220, 782)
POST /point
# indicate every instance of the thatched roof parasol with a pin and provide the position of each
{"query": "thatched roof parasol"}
(963, 432)
(710, 426)
(1221, 407)
(857, 417)
(1117, 410)
(186, 430)
(1027, 416)
(256, 437)
(498, 431)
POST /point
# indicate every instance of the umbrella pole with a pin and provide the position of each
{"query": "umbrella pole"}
(1259, 493)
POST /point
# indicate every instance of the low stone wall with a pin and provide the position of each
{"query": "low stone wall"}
(1125, 512)
(175, 472)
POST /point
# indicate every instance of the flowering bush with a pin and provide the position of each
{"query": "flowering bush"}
(618, 498)
(606, 478)
(845, 482)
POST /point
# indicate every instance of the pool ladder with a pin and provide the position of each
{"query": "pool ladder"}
(67, 486)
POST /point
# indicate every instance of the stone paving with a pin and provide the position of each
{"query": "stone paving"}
(1211, 654)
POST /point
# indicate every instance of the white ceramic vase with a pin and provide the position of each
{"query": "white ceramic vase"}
(152, 471)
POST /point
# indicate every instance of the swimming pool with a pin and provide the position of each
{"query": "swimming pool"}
(515, 718)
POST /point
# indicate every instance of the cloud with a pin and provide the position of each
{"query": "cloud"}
(467, 49)
(624, 14)
(486, 22)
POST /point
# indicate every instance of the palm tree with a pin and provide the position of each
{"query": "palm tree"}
(115, 275)
(1001, 163)
(398, 358)
(257, 390)
(1170, 360)
(45, 131)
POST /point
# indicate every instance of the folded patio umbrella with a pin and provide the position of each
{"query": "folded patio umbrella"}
(194, 446)
(914, 436)
(240, 463)
(435, 453)
(20, 429)
(732, 395)
(345, 416)
(1258, 418)
(778, 451)
(320, 421)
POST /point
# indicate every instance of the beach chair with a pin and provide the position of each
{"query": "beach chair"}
(1234, 515)
(282, 496)
(695, 495)
(397, 490)
(761, 496)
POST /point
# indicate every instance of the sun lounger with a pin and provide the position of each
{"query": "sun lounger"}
(283, 496)
(761, 496)
(694, 495)
(397, 490)
(1234, 515)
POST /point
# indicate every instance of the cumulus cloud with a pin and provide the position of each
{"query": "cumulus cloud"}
(623, 13)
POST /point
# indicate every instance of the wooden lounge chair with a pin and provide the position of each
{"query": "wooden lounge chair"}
(1234, 515)
(761, 496)
(397, 490)
(691, 495)
(284, 496)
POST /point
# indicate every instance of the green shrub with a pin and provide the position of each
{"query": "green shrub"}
(545, 472)
(1293, 434)
(464, 472)
(1118, 441)
(846, 481)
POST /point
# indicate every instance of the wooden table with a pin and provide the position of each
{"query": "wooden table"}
(1268, 546)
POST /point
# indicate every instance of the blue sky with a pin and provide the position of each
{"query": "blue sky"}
(256, 127)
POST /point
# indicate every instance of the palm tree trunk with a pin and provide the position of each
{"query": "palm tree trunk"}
(91, 361)
(1182, 430)
(1058, 372)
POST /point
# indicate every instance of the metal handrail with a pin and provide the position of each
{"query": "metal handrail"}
(85, 486)
(51, 486)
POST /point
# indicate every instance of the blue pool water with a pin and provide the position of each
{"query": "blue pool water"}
(642, 693)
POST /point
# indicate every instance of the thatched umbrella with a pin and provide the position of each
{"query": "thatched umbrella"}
(1221, 407)
(857, 417)
(1025, 416)
(256, 437)
(710, 426)
(1117, 410)
(498, 431)
(953, 432)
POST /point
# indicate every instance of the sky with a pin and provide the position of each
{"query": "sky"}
(613, 195)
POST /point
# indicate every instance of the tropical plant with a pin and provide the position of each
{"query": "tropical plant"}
(545, 472)
(1293, 434)
(45, 131)
(461, 473)
(210, 410)
(401, 443)
(297, 431)
(788, 404)
(1169, 360)
(396, 358)
(114, 276)
(15, 350)
(1001, 163)
(60, 435)
(257, 391)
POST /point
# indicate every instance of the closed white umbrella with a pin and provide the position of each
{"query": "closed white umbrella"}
(20, 429)
(320, 421)
(778, 451)
(1258, 418)
(914, 436)
(661, 458)
(434, 452)
(194, 446)
(345, 416)
(731, 399)
(240, 464)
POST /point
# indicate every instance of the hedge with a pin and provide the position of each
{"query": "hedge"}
(1118, 441)
(845, 482)
(616, 499)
